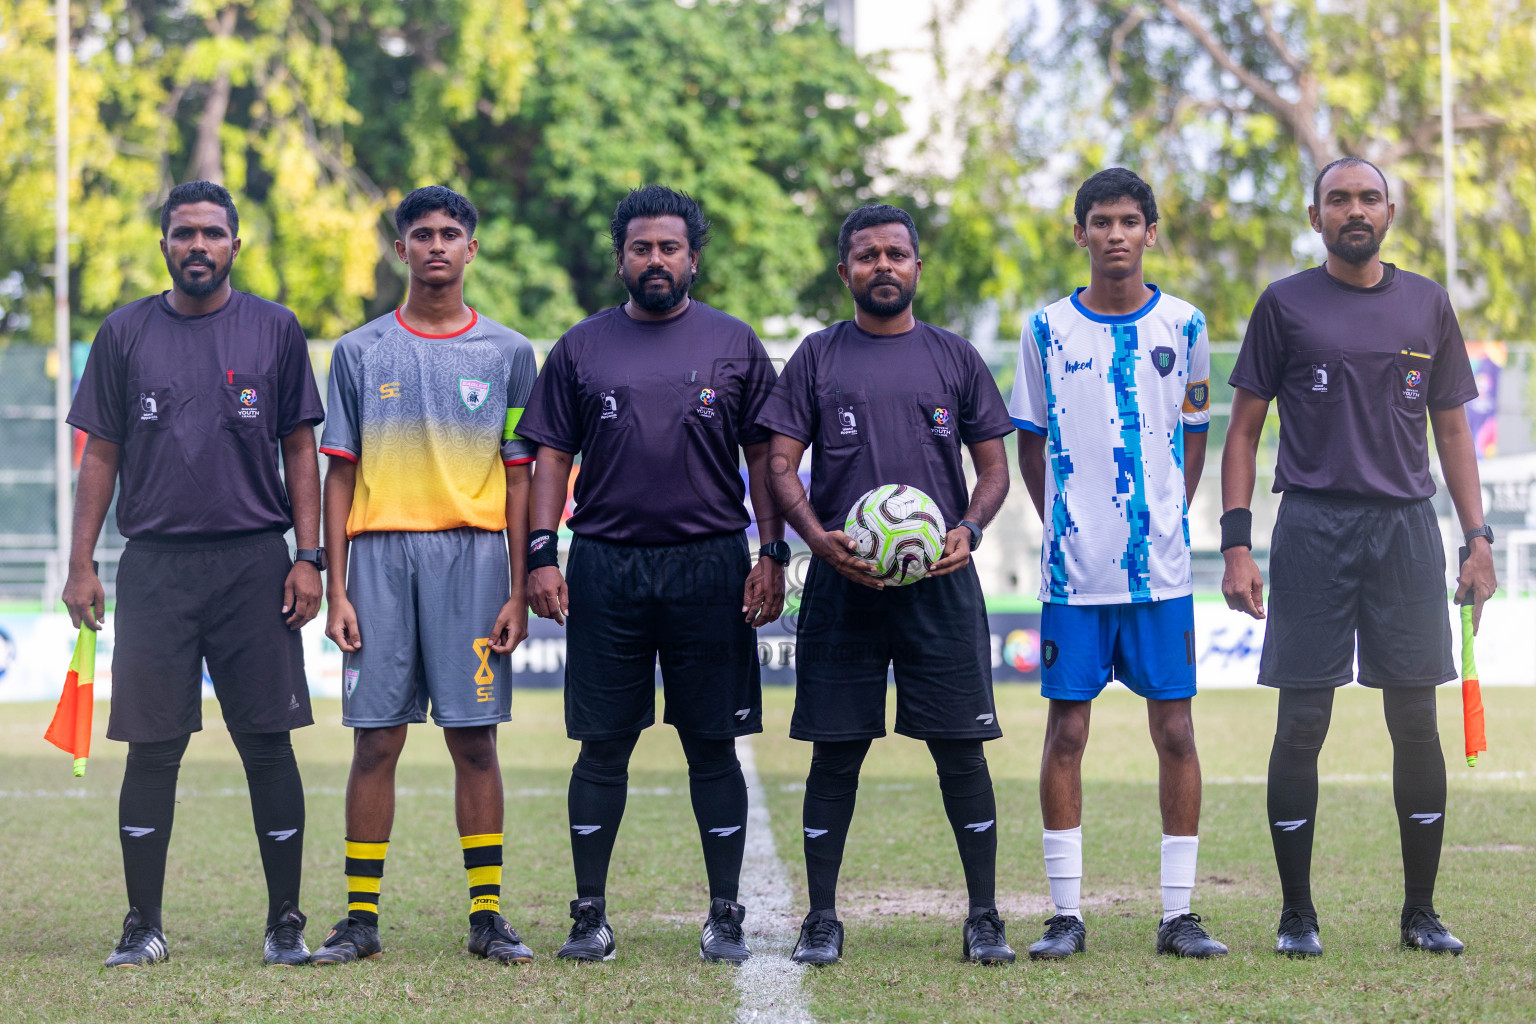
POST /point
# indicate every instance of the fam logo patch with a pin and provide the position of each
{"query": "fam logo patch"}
(248, 396)
(1049, 652)
(1411, 382)
(473, 392)
(707, 396)
(1163, 359)
(704, 410)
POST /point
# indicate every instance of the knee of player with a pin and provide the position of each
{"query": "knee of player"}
(473, 750)
(1066, 738)
(1303, 726)
(1412, 720)
(1175, 738)
(376, 750)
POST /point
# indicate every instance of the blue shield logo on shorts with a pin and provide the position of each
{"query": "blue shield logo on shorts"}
(1049, 652)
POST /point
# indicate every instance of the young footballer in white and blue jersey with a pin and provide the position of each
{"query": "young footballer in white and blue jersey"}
(1112, 402)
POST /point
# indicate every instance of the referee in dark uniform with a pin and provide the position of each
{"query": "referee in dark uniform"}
(188, 397)
(887, 399)
(1359, 354)
(658, 396)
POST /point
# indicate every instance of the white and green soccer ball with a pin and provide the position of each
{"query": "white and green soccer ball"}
(899, 531)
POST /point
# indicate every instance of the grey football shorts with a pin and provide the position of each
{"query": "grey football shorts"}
(425, 606)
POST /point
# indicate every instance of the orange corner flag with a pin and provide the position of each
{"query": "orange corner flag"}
(1471, 693)
(71, 726)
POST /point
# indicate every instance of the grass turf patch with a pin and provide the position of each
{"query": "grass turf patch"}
(901, 891)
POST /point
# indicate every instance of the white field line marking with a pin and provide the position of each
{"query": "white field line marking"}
(769, 983)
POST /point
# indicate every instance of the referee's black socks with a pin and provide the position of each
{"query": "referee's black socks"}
(277, 807)
(599, 789)
(831, 790)
(146, 806)
(1418, 788)
(971, 806)
(719, 793)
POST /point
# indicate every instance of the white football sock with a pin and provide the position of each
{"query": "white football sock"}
(1179, 855)
(1064, 868)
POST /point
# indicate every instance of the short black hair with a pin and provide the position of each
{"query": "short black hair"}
(431, 198)
(1110, 184)
(659, 201)
(872, 216)
(1346, 161)
(190, 192)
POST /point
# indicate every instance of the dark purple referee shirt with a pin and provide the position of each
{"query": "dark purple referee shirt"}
(198, 404)
(659, 411)
(1357, 371)
(886, 409)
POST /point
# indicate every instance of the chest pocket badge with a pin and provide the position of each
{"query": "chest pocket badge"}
(1163, 360)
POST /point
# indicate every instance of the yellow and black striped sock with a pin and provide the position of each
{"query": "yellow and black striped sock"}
(365, 870)
(482, 863)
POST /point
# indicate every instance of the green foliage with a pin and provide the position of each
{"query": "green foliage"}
(320, 114)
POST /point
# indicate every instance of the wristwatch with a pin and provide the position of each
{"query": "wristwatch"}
(314, 556)
(1482, 531)
(975, 532)
(778, 550)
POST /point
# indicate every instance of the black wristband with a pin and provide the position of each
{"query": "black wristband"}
(543, 550)
(1237, 529)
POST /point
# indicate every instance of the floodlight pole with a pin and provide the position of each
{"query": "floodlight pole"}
(62, 435)
(1447, 151)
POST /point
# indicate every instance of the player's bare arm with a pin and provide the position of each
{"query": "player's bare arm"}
(834, 547)
(1242, 584)
(511, 626)
(991, 461)
(547, 593)
(341, 618)
(301, 473)
(762, 599)
(1458, 461)
(1032, 468)
(1194, 461)
(83, 595)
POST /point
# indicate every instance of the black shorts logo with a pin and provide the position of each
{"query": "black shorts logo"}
(1048, 652)
(1163, 359)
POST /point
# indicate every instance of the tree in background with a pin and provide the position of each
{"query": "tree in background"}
(320, 114)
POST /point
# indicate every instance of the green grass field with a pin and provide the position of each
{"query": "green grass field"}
(61, 896)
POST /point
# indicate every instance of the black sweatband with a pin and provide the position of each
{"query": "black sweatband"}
(543, 550)
(1237, 528)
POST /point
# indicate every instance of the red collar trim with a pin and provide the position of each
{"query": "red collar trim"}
(474, 318)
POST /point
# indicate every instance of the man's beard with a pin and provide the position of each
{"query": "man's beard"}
(197, 289)
(866, 301)
(656, 302)
(1356, 248)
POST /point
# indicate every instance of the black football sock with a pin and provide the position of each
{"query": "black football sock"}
(1418, 788)
(1301, 726)
(599, 790)
(277, 807)
(831, 788)
(972, 809)
(146, 806)
(719, 792)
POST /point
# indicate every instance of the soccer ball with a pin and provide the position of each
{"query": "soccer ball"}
(899, 531)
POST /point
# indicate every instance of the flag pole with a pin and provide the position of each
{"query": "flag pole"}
(1447, 152)
(64, 380)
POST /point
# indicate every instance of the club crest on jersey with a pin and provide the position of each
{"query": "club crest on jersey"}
(1163, 359)
(473, 392)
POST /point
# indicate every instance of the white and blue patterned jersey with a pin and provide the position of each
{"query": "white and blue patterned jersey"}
(1113, 397)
